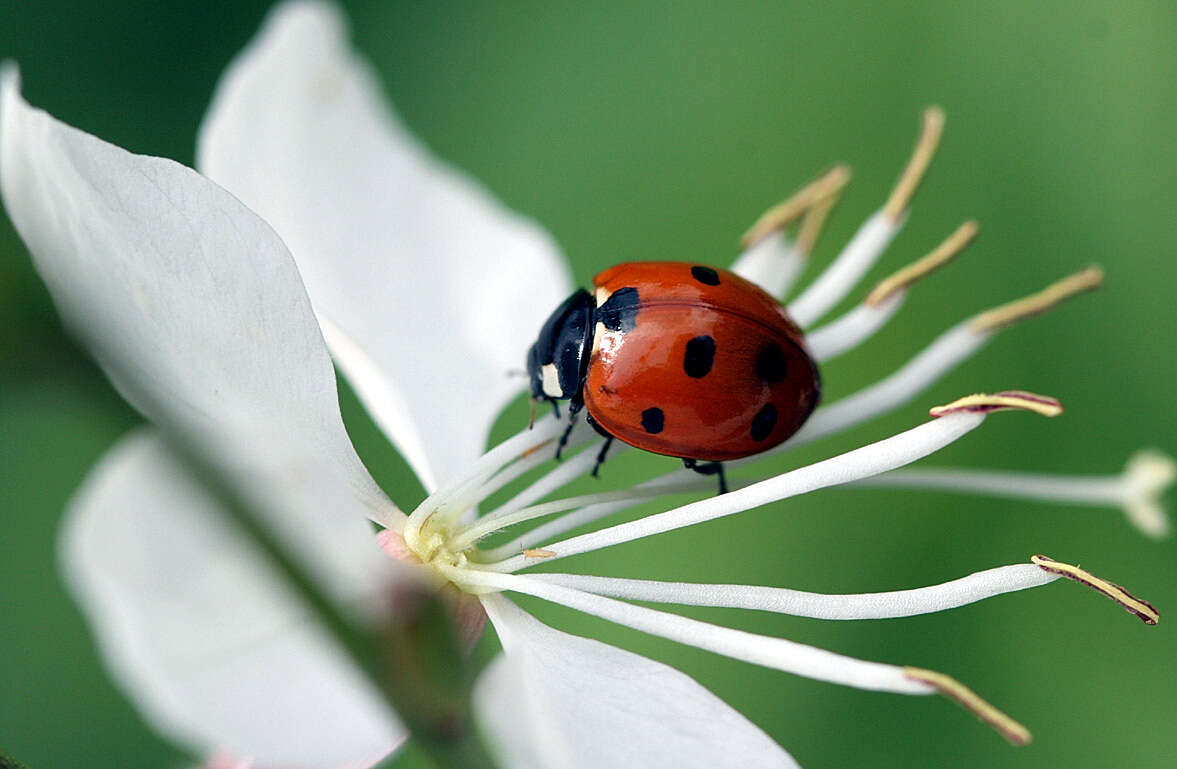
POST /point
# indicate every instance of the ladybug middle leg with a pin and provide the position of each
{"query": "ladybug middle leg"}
(601, 455)
(708, 468)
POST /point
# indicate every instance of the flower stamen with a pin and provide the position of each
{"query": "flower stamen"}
(1002, 401)
(783, 214)
(866, 461)
(1137, 490)
(902, 279)
(884, 300)
(814, 221)
(972, 702)
(1142, 609)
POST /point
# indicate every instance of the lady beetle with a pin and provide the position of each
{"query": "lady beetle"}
(677, 359)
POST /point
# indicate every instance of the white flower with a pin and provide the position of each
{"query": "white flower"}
(425, 291)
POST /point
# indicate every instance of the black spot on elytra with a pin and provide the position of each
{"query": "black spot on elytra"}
(619, 312)
(771, 365)
(705, 275)
(763, 422)
(700, 356)
(653, 420)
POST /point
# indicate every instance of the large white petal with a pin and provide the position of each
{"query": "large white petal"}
(203, 636)
(559, 701)
(429, 289)
(196, 311)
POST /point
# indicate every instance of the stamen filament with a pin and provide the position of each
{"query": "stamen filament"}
(865, 320)
(844, 273)
(489, 524)
(1144, 610)
(799, 603)
(528, 461)
(852, 328)
(773, 263)
(1101, 491)
(776, 653)
(560, 475)
(1035, 304)
(932, 127)
(872, 459)
(972, 702)
(519, 445)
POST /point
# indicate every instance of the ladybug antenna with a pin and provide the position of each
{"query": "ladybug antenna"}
(516, 372)
(531, 420)
(917, 166)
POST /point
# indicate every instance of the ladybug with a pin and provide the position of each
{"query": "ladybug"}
(677, 359)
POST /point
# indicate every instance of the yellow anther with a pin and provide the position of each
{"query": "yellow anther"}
(972, 702)
(1035, 304)
(917, 166)
(940, 256)
(1142, 609)
(539, 553)
(814, 221)
(788, 211)
(1002, 401)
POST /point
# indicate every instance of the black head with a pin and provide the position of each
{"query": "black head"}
(556, 363)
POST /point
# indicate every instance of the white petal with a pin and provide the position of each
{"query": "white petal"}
(204, 638)
(558, 701)
(189, 301)
(433, 289)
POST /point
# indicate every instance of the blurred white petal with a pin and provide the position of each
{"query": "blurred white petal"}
(194, 308)
(432, 291)
(559, 701)
(204, 636)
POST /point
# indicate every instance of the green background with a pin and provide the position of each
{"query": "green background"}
(643, 130)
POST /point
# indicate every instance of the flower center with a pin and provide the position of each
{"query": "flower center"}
(434, 544)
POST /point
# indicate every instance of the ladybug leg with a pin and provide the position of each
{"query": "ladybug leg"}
(708, 468)
(601, 455)
(574, 408)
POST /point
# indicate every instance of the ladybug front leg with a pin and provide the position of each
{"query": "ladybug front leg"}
(574, 407)
(708, 468)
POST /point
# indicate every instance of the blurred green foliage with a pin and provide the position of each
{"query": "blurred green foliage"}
(651, 129)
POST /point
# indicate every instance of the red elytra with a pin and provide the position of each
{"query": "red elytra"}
(712, 368)
(678, 359)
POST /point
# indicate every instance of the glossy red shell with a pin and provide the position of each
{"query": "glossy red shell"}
(759, 386)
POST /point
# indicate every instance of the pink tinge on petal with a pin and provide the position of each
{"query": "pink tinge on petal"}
(469, 617)
(226, 761)
(393, 543)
